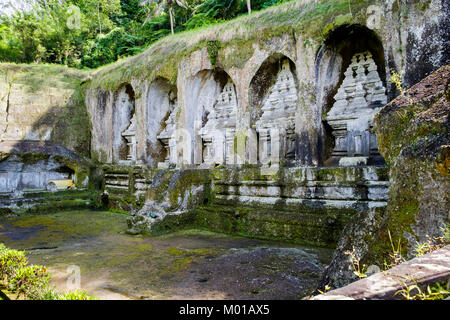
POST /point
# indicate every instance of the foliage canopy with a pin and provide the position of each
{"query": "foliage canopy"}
(92, 33)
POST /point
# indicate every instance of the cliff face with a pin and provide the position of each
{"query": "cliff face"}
(44, 130)
(414, 137)
(44, 103)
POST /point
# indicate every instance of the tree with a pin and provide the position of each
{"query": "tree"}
(249, 6)
(158, 7)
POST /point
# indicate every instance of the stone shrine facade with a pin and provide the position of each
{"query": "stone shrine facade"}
(276, 126)
(218, 134)
(167, 139)
(360, 96)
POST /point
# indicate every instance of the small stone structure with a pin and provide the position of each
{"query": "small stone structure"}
(276, 127)
(17, 175)
(130, 135)
(360, 96)
(219, 131)
(168, 140)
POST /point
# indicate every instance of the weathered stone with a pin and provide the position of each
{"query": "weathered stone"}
(428, 269)
(276, 126)
(418, 198)
(130, 135)
(218, 134)
(360, 96)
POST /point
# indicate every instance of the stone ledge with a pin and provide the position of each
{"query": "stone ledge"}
(430, 268)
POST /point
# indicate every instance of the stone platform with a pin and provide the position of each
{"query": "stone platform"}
(301, 205)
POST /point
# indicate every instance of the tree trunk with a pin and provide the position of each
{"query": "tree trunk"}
(98, 16)
(249, 6)
(172, 22)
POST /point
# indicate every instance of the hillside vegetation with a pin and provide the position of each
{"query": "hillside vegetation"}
(91, 33)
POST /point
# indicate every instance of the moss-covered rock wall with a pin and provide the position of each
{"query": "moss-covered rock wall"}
(44, 103)
(414, 137)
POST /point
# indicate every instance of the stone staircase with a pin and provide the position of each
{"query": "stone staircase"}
(126, 186)
(124, 180)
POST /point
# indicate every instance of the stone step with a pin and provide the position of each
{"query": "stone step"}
(314, 203)
(45, 201)
(303, 175)
(141, 186)
(302, 183)
(307, 225)
(374, 192)
(116, 176)
(117, 182)
(118, 187)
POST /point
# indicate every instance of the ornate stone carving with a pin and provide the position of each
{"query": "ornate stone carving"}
(218, 134)
(130, 135)
(276, 126)
(166, 137)
(360, 96)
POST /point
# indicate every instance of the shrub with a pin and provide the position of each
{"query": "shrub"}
(51, 294)
(10, 261)
(76, 295)
(29, 281)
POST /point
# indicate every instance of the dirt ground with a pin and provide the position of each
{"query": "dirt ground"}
(90, 251)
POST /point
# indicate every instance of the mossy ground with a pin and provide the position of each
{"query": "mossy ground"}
(185, 264)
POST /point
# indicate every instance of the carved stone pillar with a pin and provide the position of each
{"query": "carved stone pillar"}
(207, 150)
(230, 134)
(168, 140)
(264, 146)
(130, 136)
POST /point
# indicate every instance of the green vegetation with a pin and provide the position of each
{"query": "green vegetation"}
(436, 291)
(91, 33)
(30, 281)
(414, 291)
(238, 39)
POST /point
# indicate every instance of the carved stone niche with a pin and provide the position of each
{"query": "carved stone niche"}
(276, 126)
(130, 136)
(218, 134)
(360, 96)
(167, 135)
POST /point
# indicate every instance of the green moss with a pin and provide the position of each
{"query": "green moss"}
(178, 266)
(423, 5)
(305, 227)
(37, 77)
(236, 54)
(213, 47)
(56, 228)
(192, 252)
